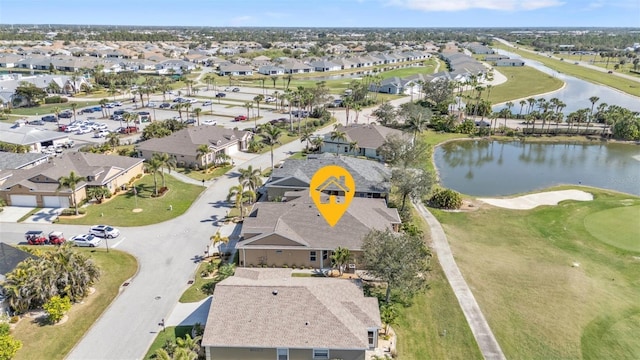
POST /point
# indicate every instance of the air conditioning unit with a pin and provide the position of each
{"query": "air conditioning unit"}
(352, 266)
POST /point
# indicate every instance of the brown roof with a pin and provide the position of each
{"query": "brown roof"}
(44, 177)
(367, 136)
(186, 141)
(267, 308)
(299, 221)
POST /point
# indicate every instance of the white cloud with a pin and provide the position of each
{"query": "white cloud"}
(458, 5)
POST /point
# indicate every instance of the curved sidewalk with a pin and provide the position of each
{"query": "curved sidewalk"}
(487, 343)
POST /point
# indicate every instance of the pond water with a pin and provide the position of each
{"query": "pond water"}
(576, 92)
(492, 168)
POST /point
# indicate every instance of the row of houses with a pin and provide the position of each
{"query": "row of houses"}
(266, 66)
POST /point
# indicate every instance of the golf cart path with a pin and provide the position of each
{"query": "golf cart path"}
(485, 339)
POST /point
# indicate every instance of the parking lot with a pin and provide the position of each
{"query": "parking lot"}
(224, 110)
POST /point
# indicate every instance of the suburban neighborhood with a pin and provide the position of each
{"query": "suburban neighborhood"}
(157, 193)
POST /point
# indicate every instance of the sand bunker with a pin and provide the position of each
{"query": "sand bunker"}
(531, 201)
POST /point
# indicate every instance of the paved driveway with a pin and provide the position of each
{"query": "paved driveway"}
(11, 214)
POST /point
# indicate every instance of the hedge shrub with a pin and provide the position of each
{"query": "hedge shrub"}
(446, 199)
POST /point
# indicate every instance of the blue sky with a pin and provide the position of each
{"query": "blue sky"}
(326, 13)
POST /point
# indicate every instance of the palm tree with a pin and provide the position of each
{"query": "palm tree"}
(248, 105)
(240, 196)
(74, 106)
(71, 182)
(203, 152)
(56, 110)
(153, 166)
(188, 343)
(167, 162)
(218, 238)
(270, 137)
(522, 104)
(340, 257)
(251, 178)
(103, 103)
(307, 135)
(353, 147)
(197, 112)
(416, 124)
(258, 99)
(225, 271)
(593, 100)
(274, 78)
(317, 143)
(339, 137)
(113, 139)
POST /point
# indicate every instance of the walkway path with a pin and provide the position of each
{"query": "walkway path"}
(479, 327)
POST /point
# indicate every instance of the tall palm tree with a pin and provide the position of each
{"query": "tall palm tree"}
(593, 100)
(317, 143)
(258, 99)
(339, 137)
(71, 182)
(167, 162)
(249, 105)
(307, 135)
(103, 104)
(240, 196)
(271, 137)
(522, 104)
(416, 124)
(197, 112)
(203, 152)
(74, 106)
(274, 78)
(251, 178)
(354, 147)
(153, 166)
(56, 110)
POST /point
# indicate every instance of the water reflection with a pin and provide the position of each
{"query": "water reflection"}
(577, 92)
(491, 168)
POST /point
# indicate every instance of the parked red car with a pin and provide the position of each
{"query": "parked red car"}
(129, 130)
(35, 237)
(240, 118)
(56, 238)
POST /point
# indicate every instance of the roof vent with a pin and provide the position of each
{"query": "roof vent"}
(306, 323)
(275, 292)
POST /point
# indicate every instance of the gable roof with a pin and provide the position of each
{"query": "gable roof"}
(369, 176)
(27, 135)
(367, 136)
(9, 160)
(186, 141)
(299, 221)
(10, 257)
(267, 308)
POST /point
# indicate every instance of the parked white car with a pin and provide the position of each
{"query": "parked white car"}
(86, 240)
(104, 231)
(209, 122)
(101, 133)
(270, 99)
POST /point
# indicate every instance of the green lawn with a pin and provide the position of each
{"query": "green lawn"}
(194, 292)
(523, 82)
(48, 109)
(625, 85)
(119, 210)
(520, 266)
(170, 333)
(421, 327)
(201, 175)
(617, 227)
(55, 342)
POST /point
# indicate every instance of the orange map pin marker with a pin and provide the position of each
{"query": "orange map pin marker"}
(332, 189)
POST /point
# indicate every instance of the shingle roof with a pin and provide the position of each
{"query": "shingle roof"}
(186, 141)
(283, 311)
(299, 221)
(10, 257)
(367, 136)
(369, 176)
(9, 160)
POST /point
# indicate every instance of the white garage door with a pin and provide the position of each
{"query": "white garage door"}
(24, 200)
(231, 150)
(55, 201)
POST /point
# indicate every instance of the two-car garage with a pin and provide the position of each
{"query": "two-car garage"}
(47, 201)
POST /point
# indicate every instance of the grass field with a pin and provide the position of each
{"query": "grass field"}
(524, 82)
(55, 342)
(617, 227)
(47, 109)
(194, 292)
(421, 327)
(169, 333)
(521, 266)
(119, 210)
(625, 85)
(201, 175)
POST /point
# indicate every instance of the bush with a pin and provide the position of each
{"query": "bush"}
(446, 199)
(56, 307)
(72, 211)
(208, 288)
(4, 329)
(9, 346)
(14, 319)
(55, 100)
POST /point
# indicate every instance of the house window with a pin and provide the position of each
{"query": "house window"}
(312, 256)
(321, 354)
(346, 149)
(283, 354)
(325, 254)
(278, 251)
(372, 339)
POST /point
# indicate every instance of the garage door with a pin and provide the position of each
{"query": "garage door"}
(231, 150)
(55, 201)
(24, 200)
